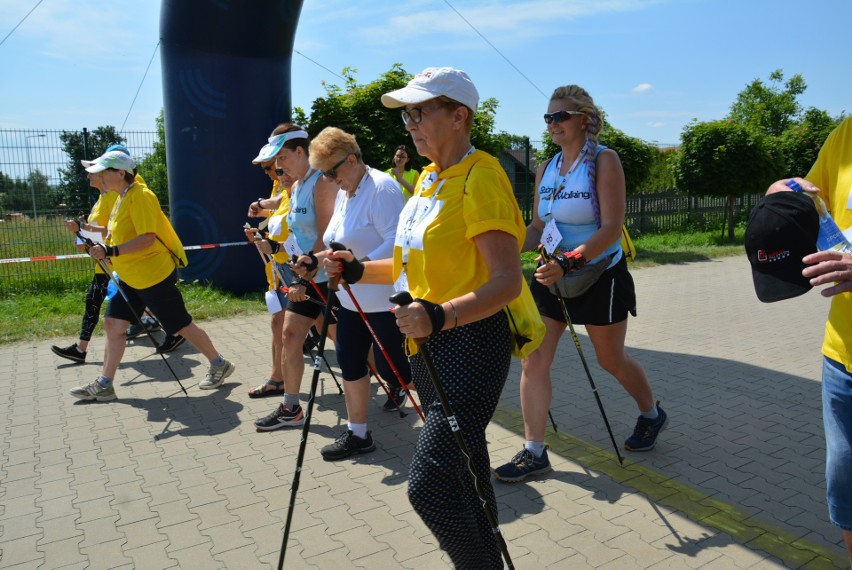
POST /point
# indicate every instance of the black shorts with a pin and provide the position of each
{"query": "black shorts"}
(354, 341)
(163, 300)
(311, 309)
(607, 302)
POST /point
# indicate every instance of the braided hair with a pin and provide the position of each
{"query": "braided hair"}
(584, 103)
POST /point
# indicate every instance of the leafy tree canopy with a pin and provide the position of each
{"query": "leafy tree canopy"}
(74, 189)
(771, 107)
(153, 167)
(357, 109)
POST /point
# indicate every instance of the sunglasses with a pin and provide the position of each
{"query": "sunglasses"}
(332, 172)
(415, 114)
(279, 172)
(268, 168)
(560, 116)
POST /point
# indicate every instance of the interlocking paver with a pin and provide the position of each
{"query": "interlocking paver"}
(159, 480)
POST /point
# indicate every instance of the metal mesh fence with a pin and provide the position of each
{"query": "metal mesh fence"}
(34, 181)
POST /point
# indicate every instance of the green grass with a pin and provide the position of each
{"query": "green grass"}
(28, 316)
(31, 316)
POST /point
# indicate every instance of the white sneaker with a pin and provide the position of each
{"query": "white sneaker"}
(216, 376)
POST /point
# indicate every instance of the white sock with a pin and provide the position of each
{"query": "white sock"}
(536, 447)
(653, 414)
(358, 430)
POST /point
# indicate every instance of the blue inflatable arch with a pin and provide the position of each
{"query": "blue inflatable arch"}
(226, 84)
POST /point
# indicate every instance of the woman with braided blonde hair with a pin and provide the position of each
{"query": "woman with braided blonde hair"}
(580, 206)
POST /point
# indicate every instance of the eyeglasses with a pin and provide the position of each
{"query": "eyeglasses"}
(268, 168)
(415, 114)
(560, 116)
(332, 172)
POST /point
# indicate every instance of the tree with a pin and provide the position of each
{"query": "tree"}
(153, 167)
(800, 143)
(725, 158)
(74, 189)
(769, 107)
(357, 109)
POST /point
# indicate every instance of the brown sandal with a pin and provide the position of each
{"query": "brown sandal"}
(268, 388)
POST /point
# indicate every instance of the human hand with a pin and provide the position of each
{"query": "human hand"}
(305, 265)
(781, 186)
(829, 267)
(97, 251)
(255, 211)
(413, 320)
(297, 293)
(73, 226)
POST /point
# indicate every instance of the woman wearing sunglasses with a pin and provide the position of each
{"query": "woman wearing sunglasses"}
(580, 204)
(311, 205)
(365, 219)
(278, 273)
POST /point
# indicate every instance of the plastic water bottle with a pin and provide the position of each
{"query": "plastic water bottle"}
(830, 238)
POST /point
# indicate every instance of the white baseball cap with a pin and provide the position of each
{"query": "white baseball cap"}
(434, 82)
(112, 159)
(274, 144)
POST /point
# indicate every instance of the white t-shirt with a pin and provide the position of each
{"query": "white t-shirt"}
(366, 224)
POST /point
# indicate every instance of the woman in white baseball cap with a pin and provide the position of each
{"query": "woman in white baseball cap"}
(457, 252)
(145, 252)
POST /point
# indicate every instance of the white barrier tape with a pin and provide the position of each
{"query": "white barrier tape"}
(85, 255)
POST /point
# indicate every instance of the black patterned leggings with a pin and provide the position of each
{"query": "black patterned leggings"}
(94, 299)
(473, 363)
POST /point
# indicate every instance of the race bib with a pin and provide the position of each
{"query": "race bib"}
(417, 215)
(550, 237)
(291, 246)
(273, 303)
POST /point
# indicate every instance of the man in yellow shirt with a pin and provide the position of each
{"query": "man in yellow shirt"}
(831, 177)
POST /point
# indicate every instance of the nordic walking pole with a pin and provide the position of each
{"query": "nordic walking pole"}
(284, 289)
(89, 244)
(335, 246)
(332, 287)
(546, 257)
(373, 372)
(404, 298)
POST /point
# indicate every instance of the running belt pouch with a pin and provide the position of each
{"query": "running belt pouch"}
(575, 283)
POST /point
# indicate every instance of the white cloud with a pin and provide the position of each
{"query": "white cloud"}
(656, 124)
(643, 88)
(506, 21)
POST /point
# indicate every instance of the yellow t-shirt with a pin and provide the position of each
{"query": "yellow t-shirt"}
(443, 261)
(138, 212)
(100, 214)
(278, 230)
(832, 173)
(409, 176)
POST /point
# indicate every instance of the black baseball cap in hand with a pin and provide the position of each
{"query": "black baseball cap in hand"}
(782, 229)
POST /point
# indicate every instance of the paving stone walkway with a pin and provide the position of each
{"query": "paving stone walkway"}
(158, 480)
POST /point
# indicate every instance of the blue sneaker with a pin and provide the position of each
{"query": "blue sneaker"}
(524, 465)
(645, 433)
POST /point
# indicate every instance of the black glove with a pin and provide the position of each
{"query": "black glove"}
(353, 270)
(570, 261)
(435, 312)
(314, 261)
(273, 245)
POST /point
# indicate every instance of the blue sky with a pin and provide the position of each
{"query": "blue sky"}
(652, 65)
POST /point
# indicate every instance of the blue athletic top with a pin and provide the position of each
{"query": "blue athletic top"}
(302, 218)
(572, 206)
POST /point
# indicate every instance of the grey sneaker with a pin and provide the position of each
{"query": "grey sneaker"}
(216, 376)
(94, 391)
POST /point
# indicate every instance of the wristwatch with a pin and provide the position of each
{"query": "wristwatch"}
(259, 207)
